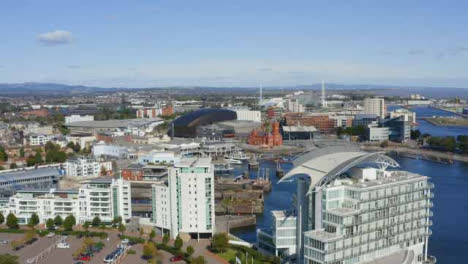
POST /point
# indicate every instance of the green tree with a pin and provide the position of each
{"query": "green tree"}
(34, 220)
(415, 134)
(50, 224)
(69, 222)
(149, 250)
(3, 154)
(22, 152)
(12, 221)
(71, 145)
(58, 221)
(2, 168)
(77, 147)
(220, 243)
(86, 225)
(2, 218)
(166, 238)
(178, 243)
(199, 260)
(116, 221)
(96, 221)
(152, 234)
(38, 158)
(13, 166)
(121, 228)
(190, 250)
(8, 259)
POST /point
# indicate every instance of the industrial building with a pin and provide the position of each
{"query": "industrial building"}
(43, 177)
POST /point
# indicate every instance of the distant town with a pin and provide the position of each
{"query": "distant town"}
(167, 175)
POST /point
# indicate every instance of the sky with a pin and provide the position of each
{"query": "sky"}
(143, 43)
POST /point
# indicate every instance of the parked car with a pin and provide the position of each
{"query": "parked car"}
(51, 234)
(176, 258)
(63, 245)
(85, 258)
(3, 242)
(125, 241)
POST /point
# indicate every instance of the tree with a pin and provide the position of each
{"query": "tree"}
(220, 242)
(190, 250)
(50, 224)
(71, 145)
(69, 222)
(58, 221)
(415, 134)
(149, 250)
(121, 228)
(96, 221)
(77, 147)
(2, 168)
(12, 221)
(3, 154)
(8, 259)
(22, 152)
(117, 220)
(38, 158)
(2, 218)
(13, 166)
(34, 220)
(384, 144)
(178, 243)
(152, 234)
(103, 171)
(198, 260)
(166, 238)
(86, 225)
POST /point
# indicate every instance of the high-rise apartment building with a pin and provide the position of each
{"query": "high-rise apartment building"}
(375, 106)
(185, 203)
(351, 208)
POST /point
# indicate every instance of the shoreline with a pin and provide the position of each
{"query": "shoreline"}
(431, 121)
(431, 155)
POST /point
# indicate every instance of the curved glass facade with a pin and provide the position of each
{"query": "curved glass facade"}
(186, 125)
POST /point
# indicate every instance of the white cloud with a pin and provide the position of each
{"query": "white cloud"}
(56, 37)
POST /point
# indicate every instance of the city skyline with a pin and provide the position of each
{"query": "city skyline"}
(149, 44)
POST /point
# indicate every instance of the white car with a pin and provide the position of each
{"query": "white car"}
(125, 241)
(3, 242)
(31, 260)
(52, 234)
(63, 245)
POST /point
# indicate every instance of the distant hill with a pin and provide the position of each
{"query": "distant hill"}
(18, 89)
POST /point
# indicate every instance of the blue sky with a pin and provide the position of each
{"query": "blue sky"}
(144, 43)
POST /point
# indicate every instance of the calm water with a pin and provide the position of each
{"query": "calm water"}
(426, 127)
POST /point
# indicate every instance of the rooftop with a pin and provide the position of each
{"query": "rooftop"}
(115, 123)
(194, 162)
(321, 235)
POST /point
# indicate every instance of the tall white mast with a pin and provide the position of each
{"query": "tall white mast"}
(324, 102)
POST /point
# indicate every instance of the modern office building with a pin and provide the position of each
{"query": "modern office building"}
(357, 207)
(87, 167)
(399, 128)
(104, 198)
(375, 106)
(376, 133)
(185, 203)
(248, 115)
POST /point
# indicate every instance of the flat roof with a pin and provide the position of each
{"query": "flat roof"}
(193, 162)
(113, 123)
(28, 173)
(299, 129)
(321, 235)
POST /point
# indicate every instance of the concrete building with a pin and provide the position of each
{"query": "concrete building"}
(293, 105)
(185, 203)
(357, 207)
(248, 115)
(407, 115)
(38, 139)
(104, 198)
(375, 106)
(102, 149)
(159, 156)
(376, 133)
(78, 118)
(87, 167)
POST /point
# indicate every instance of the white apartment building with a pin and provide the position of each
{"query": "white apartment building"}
(105, 198)
(78, 118)
(102, 149)
(38, 139)
(86, 167)
(375, 106)
(185, 204)
(83, 140)
(293, 105)
(248, 115)
(405, 113)
(355, 207)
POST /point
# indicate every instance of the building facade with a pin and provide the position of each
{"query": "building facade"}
(87, 167)
(185, 203)
(375, 106)
(104, 198)
(78, 118)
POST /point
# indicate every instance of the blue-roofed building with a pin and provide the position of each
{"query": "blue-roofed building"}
(30, 178)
